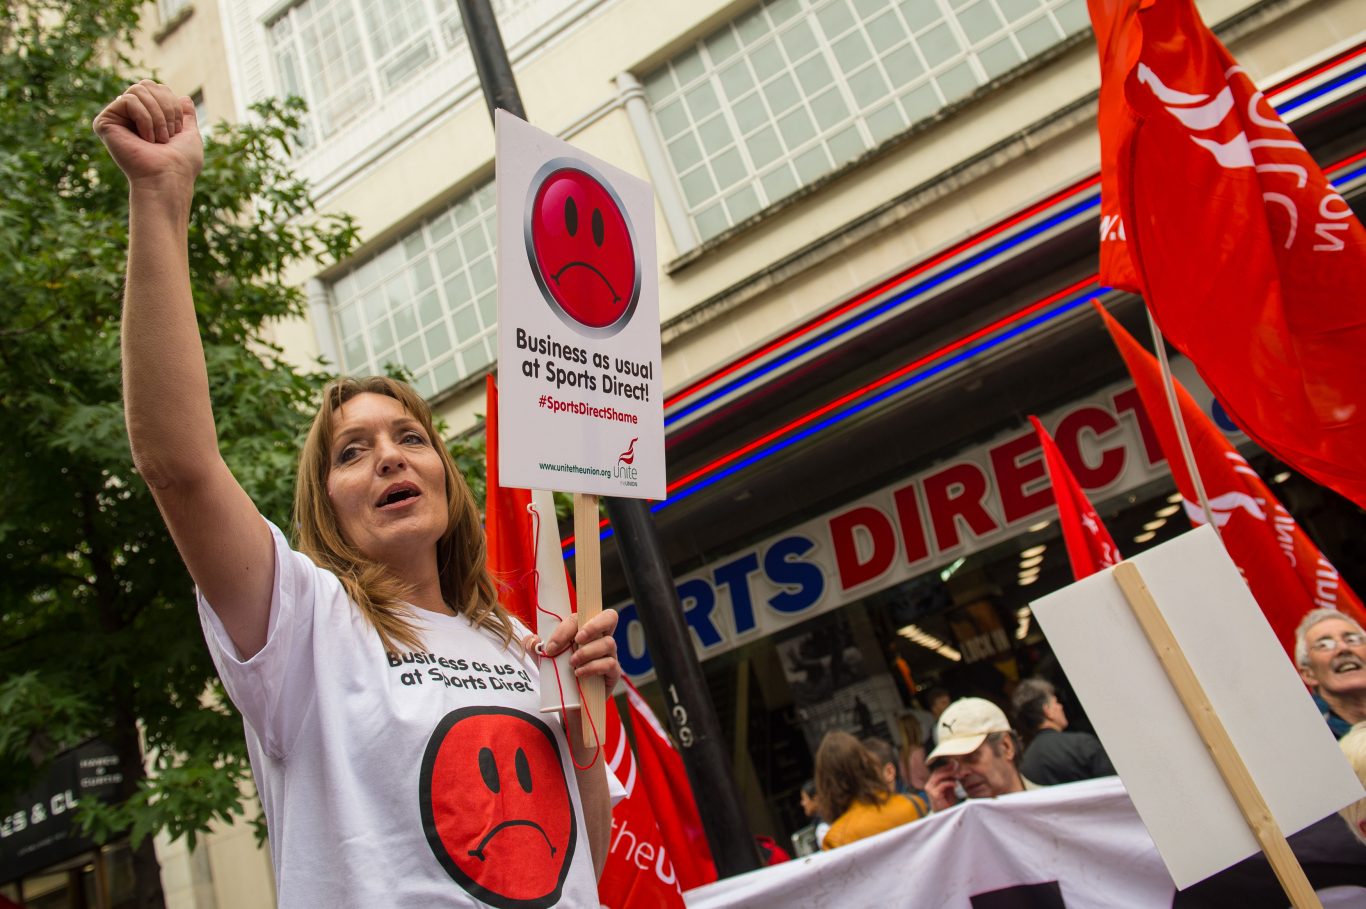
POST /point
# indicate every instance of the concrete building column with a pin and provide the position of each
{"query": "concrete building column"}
(657, 161)
(320, 315)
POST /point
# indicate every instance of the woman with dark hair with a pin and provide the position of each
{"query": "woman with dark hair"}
(1052, 755)
(391, 706)
(851, 788)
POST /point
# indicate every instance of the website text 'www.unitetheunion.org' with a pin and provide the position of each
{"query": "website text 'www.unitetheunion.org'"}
(574, 468)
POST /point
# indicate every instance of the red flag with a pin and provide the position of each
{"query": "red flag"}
(666, 785)
(1111, 20)
(511, 541)
(638, 873)
(1089, 545)
(1252, 264)
(1285, 571)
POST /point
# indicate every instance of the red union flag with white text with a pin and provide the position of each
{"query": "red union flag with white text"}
(1118, 45)
(658, 847)
(1089, 545)
(638, 873)
(666, 786)
(1251, 262)
(1285, 571)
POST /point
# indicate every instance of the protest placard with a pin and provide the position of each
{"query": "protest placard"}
(1170, 772)
(579, 370)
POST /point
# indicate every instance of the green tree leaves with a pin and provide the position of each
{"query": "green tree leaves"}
(98, 630)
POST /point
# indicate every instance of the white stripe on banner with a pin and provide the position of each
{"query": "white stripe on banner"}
(643, 710)
(1075, 846)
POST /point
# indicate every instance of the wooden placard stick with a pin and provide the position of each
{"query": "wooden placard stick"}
(588, 581)
(1212, 732)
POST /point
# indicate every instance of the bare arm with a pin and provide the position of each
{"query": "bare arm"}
(153, 137)
(595, 654)
(593, 792)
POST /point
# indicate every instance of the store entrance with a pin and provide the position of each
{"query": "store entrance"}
(100, 879)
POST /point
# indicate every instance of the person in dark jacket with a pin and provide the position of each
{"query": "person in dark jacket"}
(1053, 755)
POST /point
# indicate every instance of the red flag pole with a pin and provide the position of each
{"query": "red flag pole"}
(1186, 452)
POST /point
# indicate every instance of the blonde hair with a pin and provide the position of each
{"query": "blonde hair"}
(378, 594)
(1353, 745)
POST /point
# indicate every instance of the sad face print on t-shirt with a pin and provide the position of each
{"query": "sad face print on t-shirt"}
(496, 807)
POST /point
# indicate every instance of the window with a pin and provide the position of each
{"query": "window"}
(343, 55)
(793, 89)
(427, 303)
(169, 9)
(201, 113)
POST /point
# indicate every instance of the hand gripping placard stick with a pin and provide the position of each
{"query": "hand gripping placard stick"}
(588, 580)
(1212, 732)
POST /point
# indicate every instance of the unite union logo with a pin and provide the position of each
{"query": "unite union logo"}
(625, 470)
(1259, 141)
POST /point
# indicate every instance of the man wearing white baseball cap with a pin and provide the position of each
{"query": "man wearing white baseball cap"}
(976, 756)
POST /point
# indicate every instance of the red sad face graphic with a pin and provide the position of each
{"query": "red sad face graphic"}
(496, 807)
(582, 249)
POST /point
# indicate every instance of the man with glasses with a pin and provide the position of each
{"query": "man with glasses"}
(977, 755)
(1330, 649)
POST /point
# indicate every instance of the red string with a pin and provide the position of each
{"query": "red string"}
(540, 648)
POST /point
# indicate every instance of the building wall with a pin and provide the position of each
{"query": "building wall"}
(723, 295)
(227, 869)
(182, 42)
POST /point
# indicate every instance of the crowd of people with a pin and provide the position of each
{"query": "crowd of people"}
(970, 749)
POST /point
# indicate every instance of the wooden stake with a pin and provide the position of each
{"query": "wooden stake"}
(1212, 732)
(588, 582)
(1179, 422)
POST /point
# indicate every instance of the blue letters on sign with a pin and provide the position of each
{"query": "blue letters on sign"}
(1222, 419)
(800, 586)
(631, 663)
(735, 576)
(783, 566)
(698, 615)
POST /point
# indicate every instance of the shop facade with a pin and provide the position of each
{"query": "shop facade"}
(45, 863)
(877, 230)
(860, 509)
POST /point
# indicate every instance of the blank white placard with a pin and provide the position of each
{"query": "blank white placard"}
(1250, 682)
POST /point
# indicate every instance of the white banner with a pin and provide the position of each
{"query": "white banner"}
(1075, 846)
(580, 378)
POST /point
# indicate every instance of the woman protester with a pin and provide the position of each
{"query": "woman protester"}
(391, 706)
(851, 788)
(1052, 755)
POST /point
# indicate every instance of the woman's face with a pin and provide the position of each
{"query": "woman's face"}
(808, 804)
(386, 481)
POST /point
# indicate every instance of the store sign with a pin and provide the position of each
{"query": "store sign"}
(580, 374)
(979, 631)
(956, 508)
(36, 829)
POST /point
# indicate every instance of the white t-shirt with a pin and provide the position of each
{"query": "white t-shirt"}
(414, 779)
